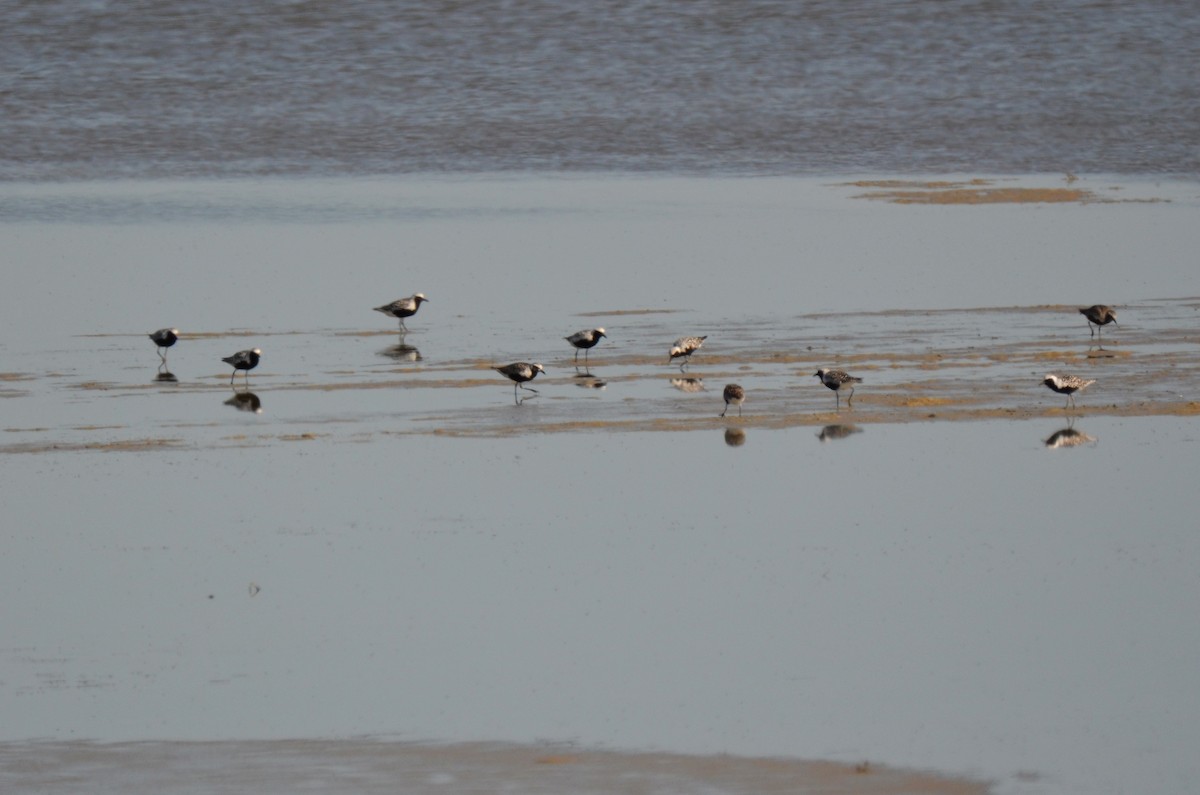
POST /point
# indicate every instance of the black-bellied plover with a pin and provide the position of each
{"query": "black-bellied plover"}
(1100, 315)
(1067, 385)
(164, 338)
(243, 360)
(403, 307)
(585, 340)
(685, 347)
(519, 373)
(838, 380)
(734, 395)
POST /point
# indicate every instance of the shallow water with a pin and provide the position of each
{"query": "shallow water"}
(947, 595)
(393, 548)
(113, 88)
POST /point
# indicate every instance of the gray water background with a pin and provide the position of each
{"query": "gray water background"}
(950, 595)
(947, 595)
(118, 88)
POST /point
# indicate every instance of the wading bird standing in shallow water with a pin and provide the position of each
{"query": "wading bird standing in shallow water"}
(734, 395)
(685, 347)
(519, 373)
(1067, 385)
(243, 360)
(837, 380)
(402, 308)
(164, 338)
(1100, 315)
(585, 340)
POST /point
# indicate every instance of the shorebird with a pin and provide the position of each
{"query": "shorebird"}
(584, 340)
(734, 395)
(243, 360)
(519, 373)
(402, 308)
(1100, 315)
(685, 347)
(837, 380)
(164, 338)
(1067, 385)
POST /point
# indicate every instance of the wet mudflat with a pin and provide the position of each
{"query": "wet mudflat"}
(966, 364)
(369, 538)
(374, 766)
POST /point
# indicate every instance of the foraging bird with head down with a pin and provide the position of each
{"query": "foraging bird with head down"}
(734, 396)
(1100, 315)
(684, 347)
(164, 338)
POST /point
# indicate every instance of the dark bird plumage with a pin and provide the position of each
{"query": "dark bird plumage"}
(1067, 385)
(1100, 315)
(684, 347)
(403, 307)
(519, 373)
(243, 360)
(734, 395)
(584, 340)
(164, 338)
(837, 380)
(1068, 437)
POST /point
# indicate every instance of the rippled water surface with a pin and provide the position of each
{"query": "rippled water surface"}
(118, 88)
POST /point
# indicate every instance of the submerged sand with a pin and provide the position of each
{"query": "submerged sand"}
(917, 366)
(369, 766)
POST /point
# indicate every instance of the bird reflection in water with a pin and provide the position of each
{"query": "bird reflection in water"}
(245, 401)
(688, 384)
(735, 437)
(165, 376)
(1100, 352)
(589, 381)
(401, 352)
(1068, 437)
(837, 432)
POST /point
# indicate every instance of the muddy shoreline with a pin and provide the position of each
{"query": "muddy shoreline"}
(964, 365)
(369, 766)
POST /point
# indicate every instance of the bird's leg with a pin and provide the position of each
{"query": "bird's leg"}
(850, 400)
(725, 409)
